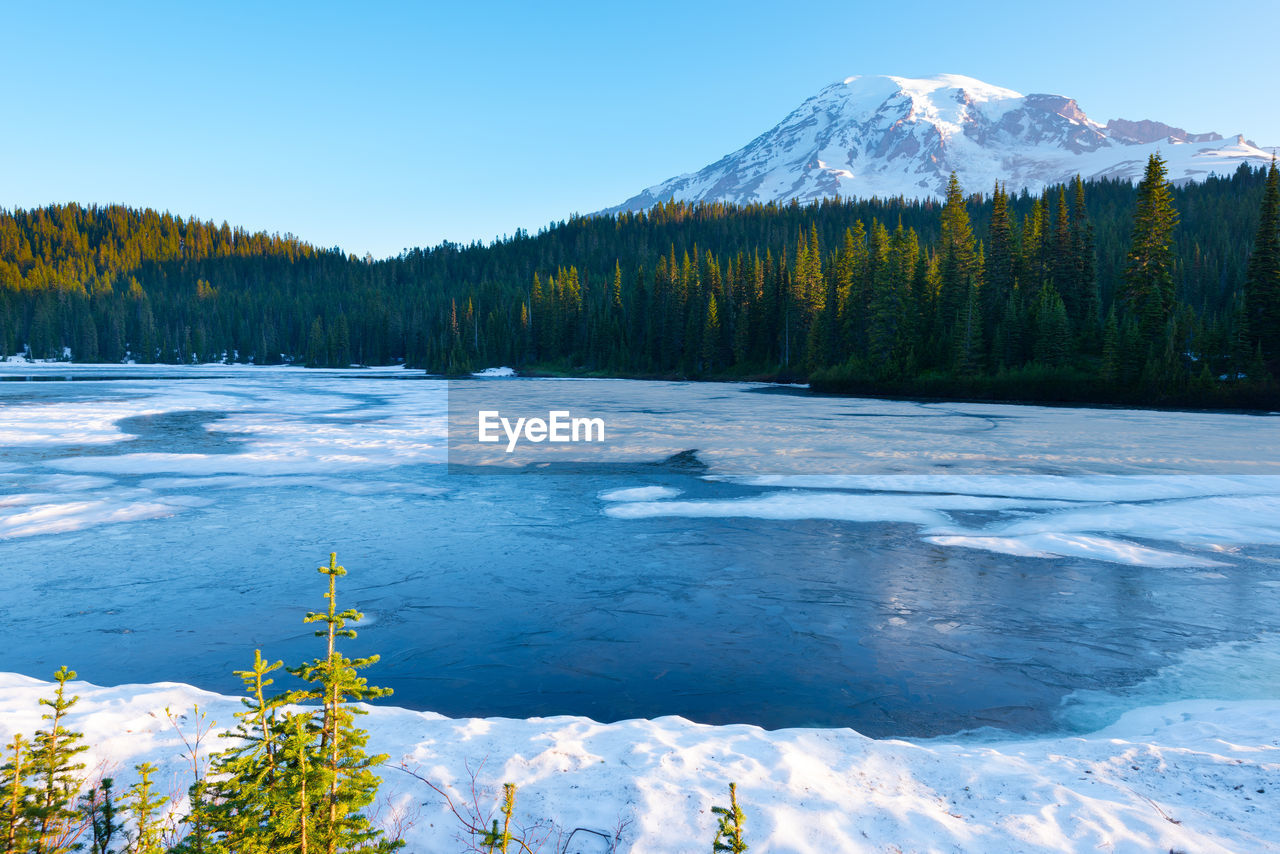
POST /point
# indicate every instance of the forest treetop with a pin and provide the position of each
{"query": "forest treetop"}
(1096, 290)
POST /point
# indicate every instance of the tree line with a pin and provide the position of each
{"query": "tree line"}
(1097, 290)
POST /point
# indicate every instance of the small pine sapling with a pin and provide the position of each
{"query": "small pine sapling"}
(99, 810)
(729, 833)
(348, 783)
(147, 809)
(14, 796)
(245, 800)
(55, 822)
(495, 840)
(298, 781)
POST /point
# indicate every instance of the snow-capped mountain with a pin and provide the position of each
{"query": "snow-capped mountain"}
(889, 136)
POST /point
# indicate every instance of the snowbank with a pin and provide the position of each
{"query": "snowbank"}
(1189, 776)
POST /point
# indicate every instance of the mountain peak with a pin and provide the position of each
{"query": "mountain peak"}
(885, 135)
(925, 86)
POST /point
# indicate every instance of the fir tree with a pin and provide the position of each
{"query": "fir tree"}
(1111, 349)
(999, 269)
(98, 806)
(15, 795)
(711, 336)
(347, 783)
(496, 840)
(1148, 276)
(54, 820)
(147, 811)
(1053, 329)
(1262, 281)
(729, 830)
(1010, 334)
(960, 270)
(1085, 264)
(317, 346)
(247, 796)
(968, 337)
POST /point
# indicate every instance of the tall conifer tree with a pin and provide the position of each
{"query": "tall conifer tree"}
(1262, 281)
(1148, 276)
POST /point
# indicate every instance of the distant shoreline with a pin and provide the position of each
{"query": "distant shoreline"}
(48, 371)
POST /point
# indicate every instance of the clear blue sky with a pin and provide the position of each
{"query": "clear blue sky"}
(377, 126)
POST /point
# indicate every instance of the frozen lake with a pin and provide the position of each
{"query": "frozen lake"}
(901, 568)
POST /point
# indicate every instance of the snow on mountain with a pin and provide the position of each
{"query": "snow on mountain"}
(897, 136)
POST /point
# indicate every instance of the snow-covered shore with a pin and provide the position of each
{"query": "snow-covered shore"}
(1195, 776)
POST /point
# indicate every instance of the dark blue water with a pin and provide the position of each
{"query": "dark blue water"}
(517, 596)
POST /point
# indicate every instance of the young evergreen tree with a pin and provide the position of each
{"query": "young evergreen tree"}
(347, 783)
(497, 839)
(730, 826)
(54, 820)
(98, 806)
(246, 794)
(146, 808)
(15, 794)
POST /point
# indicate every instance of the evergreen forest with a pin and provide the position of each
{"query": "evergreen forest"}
(1098, 291)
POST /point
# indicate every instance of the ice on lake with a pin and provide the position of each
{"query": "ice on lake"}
(900, 567)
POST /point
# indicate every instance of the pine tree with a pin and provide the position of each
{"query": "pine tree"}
(347, 781)
(1111, 349)
(54, 820)
(1148, 276)
(1086, 265)
(98, 806)
(883, 313)
(729, 830)
(961, 270)
(1009, 345)
(297, 777)
(496, 840)
(1031, 274)
(147, 810)
(1262, 281)
(299, 785)
(999, 268)
(968, 337)
(247, 795)
(15, 794)
(711, 336)
(1053, 328)
(317, 345)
